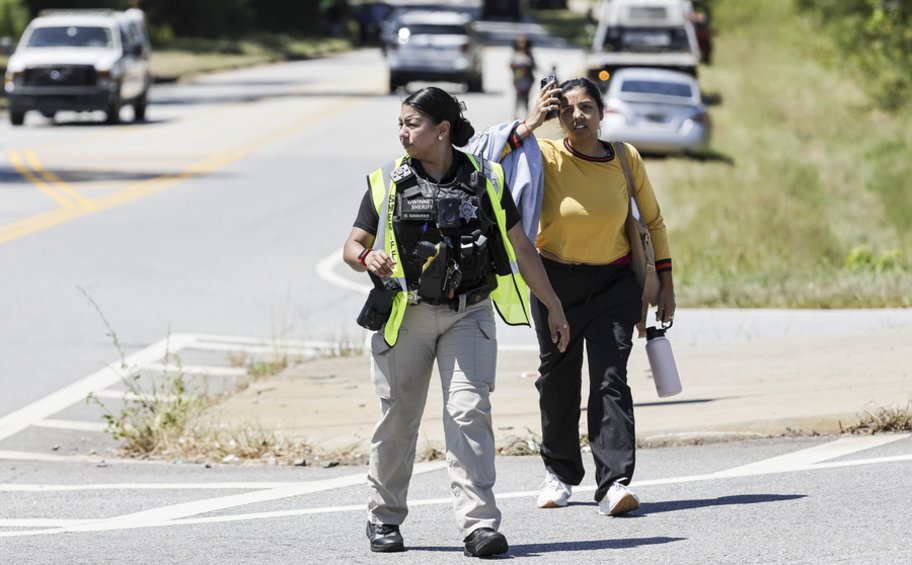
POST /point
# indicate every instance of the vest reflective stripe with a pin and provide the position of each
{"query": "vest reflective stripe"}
(510, 296)
(511, 292)
(385, 202)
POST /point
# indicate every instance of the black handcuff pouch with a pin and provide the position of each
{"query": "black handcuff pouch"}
(379, 305)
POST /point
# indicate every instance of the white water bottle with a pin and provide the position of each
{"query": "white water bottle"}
(662, 362)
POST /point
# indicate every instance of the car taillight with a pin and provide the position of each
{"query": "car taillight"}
(700, 117)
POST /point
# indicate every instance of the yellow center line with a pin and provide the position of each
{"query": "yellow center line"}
(63, 187)
(152, 186)
(48, 191)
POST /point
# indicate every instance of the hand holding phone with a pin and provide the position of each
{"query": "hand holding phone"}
(544, 82)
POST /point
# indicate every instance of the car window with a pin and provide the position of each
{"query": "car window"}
(647, 39)
(663, 88)
(647, 13)
(425, 29)
(71, 36)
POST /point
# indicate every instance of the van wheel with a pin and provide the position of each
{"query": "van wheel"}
(17, 116)
(139, 109)
(113, 112)
(475, 84)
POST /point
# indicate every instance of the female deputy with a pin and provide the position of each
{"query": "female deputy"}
(440, 236)
(586, 254)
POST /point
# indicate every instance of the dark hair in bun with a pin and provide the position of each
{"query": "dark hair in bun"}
(441, 106)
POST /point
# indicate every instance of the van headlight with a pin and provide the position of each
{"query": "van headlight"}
(12, 80)
(104, 79)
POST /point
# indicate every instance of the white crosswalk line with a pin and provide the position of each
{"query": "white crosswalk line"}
(17, 421)
(811, 459)
(77, 425)
(813, 455)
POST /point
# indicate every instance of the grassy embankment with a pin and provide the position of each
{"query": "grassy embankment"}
(808, 202)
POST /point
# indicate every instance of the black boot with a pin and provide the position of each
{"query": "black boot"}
(384, 538)
(484, 542)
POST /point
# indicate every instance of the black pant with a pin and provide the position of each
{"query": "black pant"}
(602, 304)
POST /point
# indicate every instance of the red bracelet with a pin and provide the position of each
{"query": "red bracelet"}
(528, 129)
(363, 255)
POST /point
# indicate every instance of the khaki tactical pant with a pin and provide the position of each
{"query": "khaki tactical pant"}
(465, 348)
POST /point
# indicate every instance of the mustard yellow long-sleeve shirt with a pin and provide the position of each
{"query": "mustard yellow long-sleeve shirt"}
(585, 206)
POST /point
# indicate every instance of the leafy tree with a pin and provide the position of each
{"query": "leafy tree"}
(877, 36)
(291, 16)
(13, 18)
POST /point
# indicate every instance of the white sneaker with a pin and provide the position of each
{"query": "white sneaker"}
(619, 500)
(554, 492)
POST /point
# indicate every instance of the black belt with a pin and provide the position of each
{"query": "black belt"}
(459, 302)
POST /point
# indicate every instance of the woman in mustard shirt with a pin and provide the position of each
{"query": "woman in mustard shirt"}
(586, 255)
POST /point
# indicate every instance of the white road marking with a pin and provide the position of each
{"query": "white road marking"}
(198, 370)
(40, 523)
(805, 460)
(811, 456)
(326, 270)
(76, 425)
(202, 340)
(175, 513)
(55, 458)
(17, 421)
(150, 486)
(116, 394)
(152, 358)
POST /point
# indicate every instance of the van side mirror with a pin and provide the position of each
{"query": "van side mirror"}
(7, 45)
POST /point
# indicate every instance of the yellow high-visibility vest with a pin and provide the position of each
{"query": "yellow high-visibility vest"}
(510, 296)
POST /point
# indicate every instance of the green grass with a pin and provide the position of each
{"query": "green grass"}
(186, 57)
(566, 24)
(806, 173)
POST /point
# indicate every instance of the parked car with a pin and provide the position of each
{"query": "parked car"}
(658, 111)
(435, 46)
(80, 60)
(643, 33)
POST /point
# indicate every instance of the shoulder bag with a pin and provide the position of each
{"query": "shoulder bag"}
(642, 255)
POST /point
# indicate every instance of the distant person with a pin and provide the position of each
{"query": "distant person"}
(441, 238)
(584, 247)
(522, 66)
(332, 12)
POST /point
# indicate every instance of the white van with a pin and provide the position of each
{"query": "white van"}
(644, 33)
(80, 60)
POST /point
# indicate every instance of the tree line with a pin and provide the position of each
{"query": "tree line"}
(876, 37)
(193, 18)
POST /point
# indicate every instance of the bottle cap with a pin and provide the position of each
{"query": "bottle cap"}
(653, 332)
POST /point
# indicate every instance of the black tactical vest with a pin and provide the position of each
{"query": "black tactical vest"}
(444, 232)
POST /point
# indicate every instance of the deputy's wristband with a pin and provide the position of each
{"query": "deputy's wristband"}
(363, 255)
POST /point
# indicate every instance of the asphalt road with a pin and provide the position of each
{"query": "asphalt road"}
(214, 230)
(807, 500)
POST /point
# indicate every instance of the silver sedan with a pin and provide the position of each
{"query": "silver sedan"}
(657, 111)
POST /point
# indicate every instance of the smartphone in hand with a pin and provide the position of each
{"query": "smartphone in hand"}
(544, 81)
